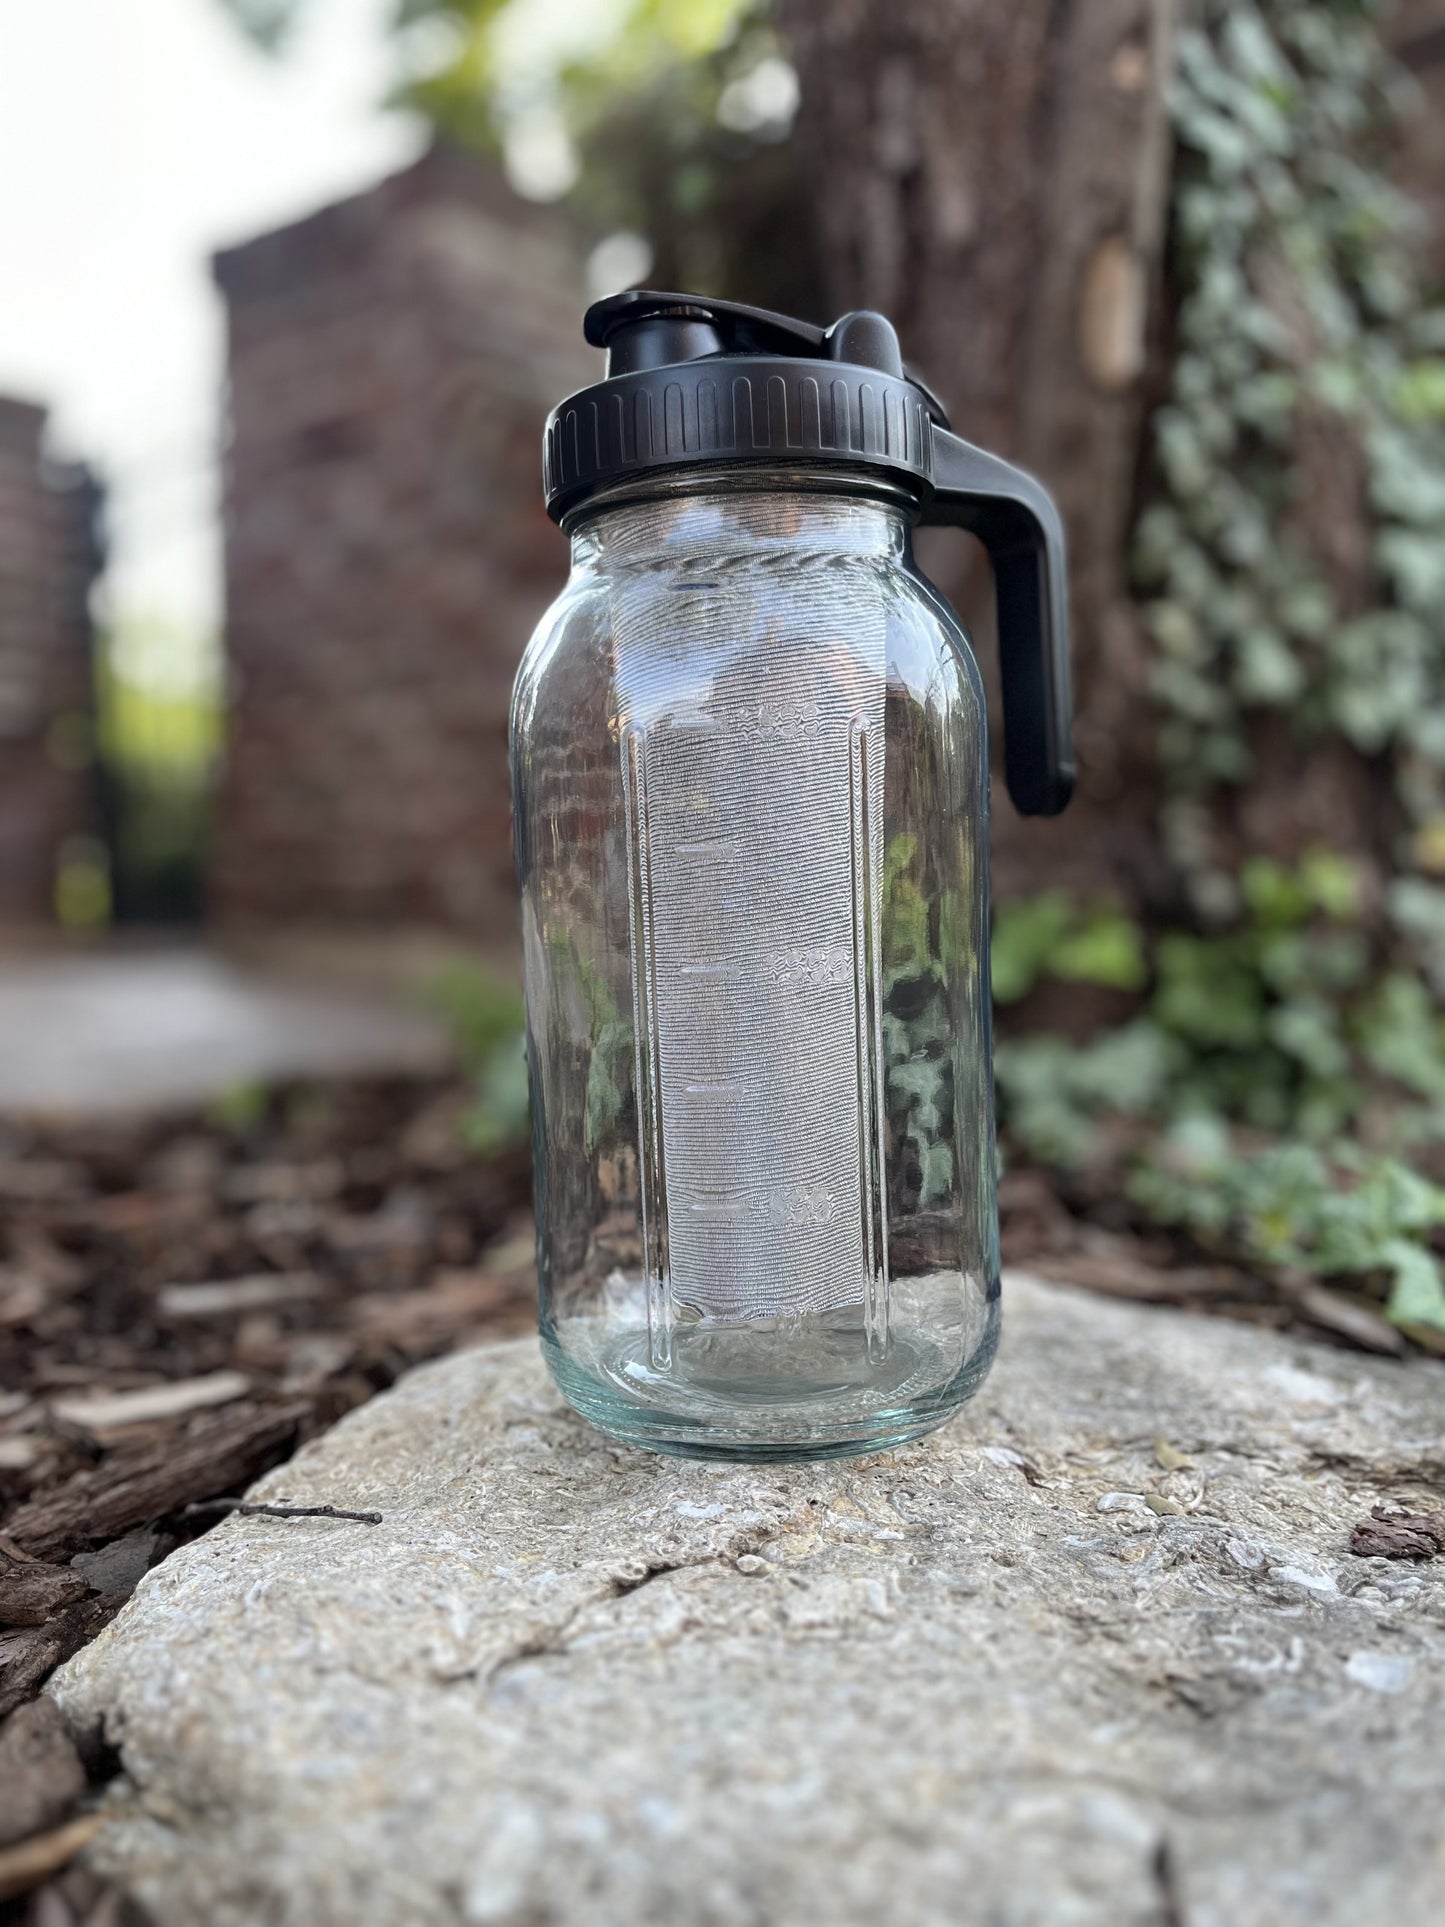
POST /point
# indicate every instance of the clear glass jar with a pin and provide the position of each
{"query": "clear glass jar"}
(750, 782)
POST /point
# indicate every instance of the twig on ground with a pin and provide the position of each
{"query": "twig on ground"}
(25, 1866)
(252, 1510)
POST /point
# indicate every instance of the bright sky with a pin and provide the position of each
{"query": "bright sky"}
(136, 136)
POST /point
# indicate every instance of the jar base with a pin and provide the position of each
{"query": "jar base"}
(831, 1424)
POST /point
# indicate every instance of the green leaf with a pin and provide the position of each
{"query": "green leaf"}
(1402, 1035)
(609, 1078)
(1052, 1093)
(1332, 884)
(1174, 628)
(1407, 479)
(1207, 995)
(936, 1164)
(497, 1117)
(1309, 1030)
(1417, 1296)
(1267, 670)
(907, 945)
(241, 1106)
(1415, 564)
(1049, 935)
(921, 1086)
(1420, 392)
(1025, 934)
(1276, 895)
(1107, 950)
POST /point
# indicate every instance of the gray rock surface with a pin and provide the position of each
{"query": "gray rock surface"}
(1022, 1672)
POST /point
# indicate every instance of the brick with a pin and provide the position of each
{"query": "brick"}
(48, 560)
(391, 361)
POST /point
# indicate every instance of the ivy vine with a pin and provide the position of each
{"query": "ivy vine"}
(1299, 318)
(1280, 1094)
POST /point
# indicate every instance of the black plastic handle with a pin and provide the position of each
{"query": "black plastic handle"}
(1015, 519)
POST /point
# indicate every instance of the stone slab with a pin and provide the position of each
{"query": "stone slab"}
(981, 1679)
(145, 1031)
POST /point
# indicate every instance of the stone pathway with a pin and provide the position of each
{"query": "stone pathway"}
(1096, 1653)
(118, 1031)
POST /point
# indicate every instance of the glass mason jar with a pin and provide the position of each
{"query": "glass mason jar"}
(750, 771)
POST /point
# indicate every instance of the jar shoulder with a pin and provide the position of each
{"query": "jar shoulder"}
(572, 656)
(930, 653)
(569, 654)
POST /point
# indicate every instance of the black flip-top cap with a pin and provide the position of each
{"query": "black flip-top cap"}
(692, 381)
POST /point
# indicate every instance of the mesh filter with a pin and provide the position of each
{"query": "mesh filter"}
(752, 713)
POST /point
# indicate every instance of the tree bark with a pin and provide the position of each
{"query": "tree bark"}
(995, 178)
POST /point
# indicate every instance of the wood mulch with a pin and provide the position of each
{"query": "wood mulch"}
(184, 1301)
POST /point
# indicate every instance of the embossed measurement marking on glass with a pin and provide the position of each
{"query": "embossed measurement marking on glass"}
(714, 846)
(868, 1017)
(732, 1204)
(650, 1155)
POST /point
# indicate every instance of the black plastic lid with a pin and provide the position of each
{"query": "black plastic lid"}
(697, 382)
(691, 380)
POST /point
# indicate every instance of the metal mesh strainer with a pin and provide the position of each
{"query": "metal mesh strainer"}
(752, 746)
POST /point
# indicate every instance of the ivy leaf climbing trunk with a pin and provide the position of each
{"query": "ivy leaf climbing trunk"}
(995, 178)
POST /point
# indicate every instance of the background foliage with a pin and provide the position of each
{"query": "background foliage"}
(1270, 1082)
(1306, 360)
(1280, 1094)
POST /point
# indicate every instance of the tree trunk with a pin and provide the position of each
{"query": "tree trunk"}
(995, 178)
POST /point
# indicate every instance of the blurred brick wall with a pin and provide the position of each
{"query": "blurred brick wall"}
(47, 564)
(387, 555)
